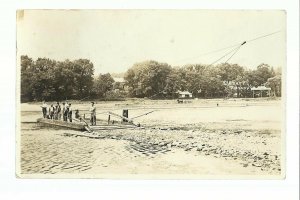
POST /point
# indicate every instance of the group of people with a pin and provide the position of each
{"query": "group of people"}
(65, 111)
(57, 111)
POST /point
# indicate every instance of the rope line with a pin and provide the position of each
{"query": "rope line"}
(233, 54)
(263, 36)
(231, 46)
(210, 52)
(225, 55)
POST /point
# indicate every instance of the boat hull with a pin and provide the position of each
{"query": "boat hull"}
(62, 124)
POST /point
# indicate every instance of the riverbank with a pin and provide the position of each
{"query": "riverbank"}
(200, 139)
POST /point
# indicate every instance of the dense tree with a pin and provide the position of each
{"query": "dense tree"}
(42, 79)
(233, 77)
(260, 75)
(103, 84)
(83, 71)
(64, 80)
(275, 84)
(173, 83)
(230, 72)
(46, 79)
(147, 79)
(59, 80)
(26, 75)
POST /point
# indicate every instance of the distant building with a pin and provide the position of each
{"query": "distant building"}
(185, 94)
(260, 91)
(119, 85)
(119, 80)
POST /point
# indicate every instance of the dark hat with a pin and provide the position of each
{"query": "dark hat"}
(93, 102)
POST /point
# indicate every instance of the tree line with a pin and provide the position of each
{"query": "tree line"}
(51, 80)
(153, 79)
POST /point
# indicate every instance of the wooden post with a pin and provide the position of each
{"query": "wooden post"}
(108, 119)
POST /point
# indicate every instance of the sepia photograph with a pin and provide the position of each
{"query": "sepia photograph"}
(151, 94)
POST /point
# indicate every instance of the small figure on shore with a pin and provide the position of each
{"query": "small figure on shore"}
(51, 112)
(44, 109)
(70, 113)
(93, 113)
(77, 114)
(57, 111)
(65, 111)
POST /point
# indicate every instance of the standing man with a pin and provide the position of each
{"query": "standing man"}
(66, 112)
(51, 111)
(55, 113)
(44, 109)
(93, 113)
(58, 111)
(64, 109)
(70, 113)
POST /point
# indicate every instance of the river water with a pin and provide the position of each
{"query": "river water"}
(51, 151)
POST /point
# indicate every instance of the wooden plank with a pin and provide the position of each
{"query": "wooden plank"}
(128, 119)
(111, 128)
(113, 125)
(120, 116)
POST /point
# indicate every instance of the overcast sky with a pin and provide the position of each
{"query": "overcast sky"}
(116, 39)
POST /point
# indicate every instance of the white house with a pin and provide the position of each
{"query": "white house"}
(119, 84)
(185, 94)
(119, 80)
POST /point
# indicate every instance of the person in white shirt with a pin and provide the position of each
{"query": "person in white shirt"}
(44, 109)
(93, 113)
(66, 111)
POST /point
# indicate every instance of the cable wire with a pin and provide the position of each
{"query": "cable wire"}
(225, 55)
(235, 45)
(233, 54)
(263, 36)
(210, 52)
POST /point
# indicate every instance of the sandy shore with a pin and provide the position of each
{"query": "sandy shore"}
(234, 138)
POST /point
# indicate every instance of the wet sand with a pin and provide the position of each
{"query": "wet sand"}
(241, 142)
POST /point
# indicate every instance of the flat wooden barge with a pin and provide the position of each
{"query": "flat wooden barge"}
(58, 123)
(82, 126)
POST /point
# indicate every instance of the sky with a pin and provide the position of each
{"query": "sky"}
(116, 39)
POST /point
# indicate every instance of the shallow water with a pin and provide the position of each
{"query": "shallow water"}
(52, 151)
(56, 151)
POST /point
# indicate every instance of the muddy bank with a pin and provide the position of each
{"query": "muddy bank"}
(122, 153)
(234, 138)
(260, 148)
